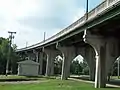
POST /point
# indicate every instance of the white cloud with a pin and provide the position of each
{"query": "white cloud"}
(11, 11)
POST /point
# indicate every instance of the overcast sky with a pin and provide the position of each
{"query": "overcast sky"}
(31, 18)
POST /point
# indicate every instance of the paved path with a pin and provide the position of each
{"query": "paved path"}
(109, 85)
(23, 82)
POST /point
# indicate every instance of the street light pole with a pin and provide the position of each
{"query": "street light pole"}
(86, 16)
(11, 36)
(87, 9)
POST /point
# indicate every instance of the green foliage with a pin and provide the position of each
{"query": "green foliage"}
(114, 71)
(57, 65)
(86, 70)
(79, 68)
(4, 53)
(76, 68)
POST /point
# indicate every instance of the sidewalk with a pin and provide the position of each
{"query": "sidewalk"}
(23, 82)
(110, 85)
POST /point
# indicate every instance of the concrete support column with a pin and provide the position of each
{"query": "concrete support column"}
(92, 73)
(68, 54)
(90, 58)
(37, 56)
(112, 53)
(51, 54)
(98, 43)
(40, 61)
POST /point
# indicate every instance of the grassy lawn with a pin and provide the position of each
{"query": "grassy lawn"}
(53, 84)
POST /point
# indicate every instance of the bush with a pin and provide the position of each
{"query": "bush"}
(86, 71)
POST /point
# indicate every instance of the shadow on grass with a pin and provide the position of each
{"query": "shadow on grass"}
(110, 87)
(14, 80)
(25, 78)
(19, 78)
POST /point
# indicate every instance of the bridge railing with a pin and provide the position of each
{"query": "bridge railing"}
(97, 10)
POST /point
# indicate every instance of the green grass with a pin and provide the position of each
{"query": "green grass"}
(53, 84)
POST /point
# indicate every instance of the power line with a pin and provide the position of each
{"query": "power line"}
(11, 37)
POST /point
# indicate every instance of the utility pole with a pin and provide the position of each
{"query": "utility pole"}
(11, 37)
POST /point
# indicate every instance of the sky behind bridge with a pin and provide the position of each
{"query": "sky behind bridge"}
(31, 18)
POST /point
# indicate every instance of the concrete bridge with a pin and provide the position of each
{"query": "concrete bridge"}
(96, 38)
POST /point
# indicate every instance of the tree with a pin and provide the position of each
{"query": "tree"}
(58, 65)
(76, 67)
(4, 47)
(3, 54)
(85, 67)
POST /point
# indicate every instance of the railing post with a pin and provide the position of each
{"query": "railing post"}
(107, 3)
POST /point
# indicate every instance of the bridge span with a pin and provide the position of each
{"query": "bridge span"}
(97, 39)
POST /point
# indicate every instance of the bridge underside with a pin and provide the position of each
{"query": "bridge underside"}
(109, 28)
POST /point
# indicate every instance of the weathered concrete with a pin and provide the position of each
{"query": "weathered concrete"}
(89, 56)
(98, 44)
(112, 53)
(41, 62)
(51, 54)
(68, 54)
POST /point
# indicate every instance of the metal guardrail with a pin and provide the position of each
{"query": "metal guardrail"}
(101, 7)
